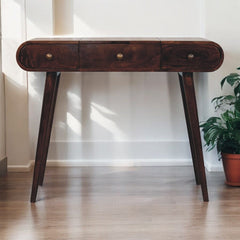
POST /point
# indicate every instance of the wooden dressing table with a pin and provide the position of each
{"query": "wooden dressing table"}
(119, 55)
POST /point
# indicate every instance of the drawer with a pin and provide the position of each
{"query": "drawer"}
(191, 56)
(120, 56)
(47, 56)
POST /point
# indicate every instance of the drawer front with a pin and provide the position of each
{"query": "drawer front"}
(191, 56)
(130, 56)
(49, 56)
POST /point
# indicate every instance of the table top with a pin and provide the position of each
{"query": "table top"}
(60, 38)
(120, 54)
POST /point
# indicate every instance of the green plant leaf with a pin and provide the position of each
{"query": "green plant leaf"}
(216, 98)
(237, 114)
(224, 132)
(237, 89)
(223, 100)
(226, 115)
(237, 107)
(223, 81)
(232, 78)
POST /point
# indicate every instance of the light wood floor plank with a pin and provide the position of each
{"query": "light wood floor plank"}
(127, 203)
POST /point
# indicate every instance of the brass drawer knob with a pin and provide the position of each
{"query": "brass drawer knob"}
(49, 56)
(119, 56)
(190, 56)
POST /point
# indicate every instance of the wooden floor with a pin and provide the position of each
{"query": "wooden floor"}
(121, 203)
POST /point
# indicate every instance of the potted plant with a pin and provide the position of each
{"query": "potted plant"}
(223, 131)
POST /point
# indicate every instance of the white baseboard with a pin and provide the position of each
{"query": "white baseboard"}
(21, 168)
(115, 150)
(127, 153)
(115, 163)
(120, 163)
(213, 167)
(105, 163)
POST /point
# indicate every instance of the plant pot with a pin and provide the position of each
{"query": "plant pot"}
(231, 165)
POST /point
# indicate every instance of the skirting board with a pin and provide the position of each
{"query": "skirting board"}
(113, 151)
(21, 168)
(108, 153)
(3, 167)
(114, 163)
(213, 167)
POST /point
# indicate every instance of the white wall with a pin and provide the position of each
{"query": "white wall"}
(118, 117)
(107, 118)
(13, 31)
(2, 113)
(2, 120)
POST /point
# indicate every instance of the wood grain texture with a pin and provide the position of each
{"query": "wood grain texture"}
(48, 106)
(190, 133)
(96, 203)
(139, 56)
(207, 56)
(190, 106)
(65, 57)
(136, 56)
(55, 78)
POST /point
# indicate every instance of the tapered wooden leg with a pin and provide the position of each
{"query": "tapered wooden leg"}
(191, 137)
(49, 129)
(190, 107)
(49, 100)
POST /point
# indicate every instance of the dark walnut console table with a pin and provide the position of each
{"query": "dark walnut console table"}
(184, 56)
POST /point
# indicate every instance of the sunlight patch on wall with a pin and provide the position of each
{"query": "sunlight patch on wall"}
(74, 124)
(103, 109)
(39, 18)
(98, 117)
(75, 100)
(33, 92)
(12, 34)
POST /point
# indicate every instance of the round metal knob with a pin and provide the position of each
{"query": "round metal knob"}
(119, 56)
(190, 56)
(49, 56)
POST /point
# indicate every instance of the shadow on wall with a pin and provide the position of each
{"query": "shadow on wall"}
(202, 95)
(176, 111)
(113, 106)
(106, 107)
(15, 84)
